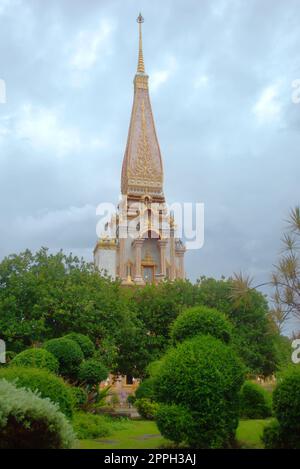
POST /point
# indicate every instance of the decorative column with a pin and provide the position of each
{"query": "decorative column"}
(162, 246)
(122, 271)
(180, 255)
(172, 256)
(137, 244)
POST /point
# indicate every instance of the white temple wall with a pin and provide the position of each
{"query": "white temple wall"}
(105, 260)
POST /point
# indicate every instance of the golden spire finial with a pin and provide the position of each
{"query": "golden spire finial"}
(141, 65)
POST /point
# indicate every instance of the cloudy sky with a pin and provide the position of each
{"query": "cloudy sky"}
(221, 76)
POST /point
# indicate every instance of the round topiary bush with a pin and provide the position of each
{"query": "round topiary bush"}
(68, 354)
(284, 433)
(36, 358)
(175, 420)
(92, 372)
(28, 421)
(80, 397)
(255, 402)
(201, 320)
(286, 400)
(203, 376)
(146, 408)
(47, 384)
(84, 342)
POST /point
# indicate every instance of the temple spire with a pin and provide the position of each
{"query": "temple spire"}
(141, 65)
(142, 171)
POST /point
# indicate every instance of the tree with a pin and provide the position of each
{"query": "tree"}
(45, 296)
(286, 278)
(253, 336)
(157, 306)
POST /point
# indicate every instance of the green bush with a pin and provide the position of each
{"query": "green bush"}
(202, 375)
(68, 354)
(90, 426)
(286, 400)
(92, 371)
(9, 355)
(285, 433)
(131, 399)
(145, 389)
(84, 342)
(46, 383)
(28, 421)
(276, 437)
(146, 408)
(255, 402)
(80, 397)
(201, 320)
(36, 358)
(174, 421)
(272, 436)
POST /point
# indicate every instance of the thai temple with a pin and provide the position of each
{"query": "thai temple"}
(139, 245)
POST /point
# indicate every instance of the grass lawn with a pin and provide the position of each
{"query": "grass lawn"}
(249, 432)
(134, 434)
(143, 434)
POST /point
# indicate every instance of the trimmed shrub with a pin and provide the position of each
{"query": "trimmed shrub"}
(47, 384)
(203, 376)
(174, 421)
(286, 400)
(92, 371)
(80, 397)
(68, 354)
(36, 358)
(84, 342)
(28, 421)
(285, 432)
(255, 402)
(146, 408)
(90, 426)
(201, 320)
(272, 437)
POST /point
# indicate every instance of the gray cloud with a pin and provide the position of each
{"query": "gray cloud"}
(221, 77)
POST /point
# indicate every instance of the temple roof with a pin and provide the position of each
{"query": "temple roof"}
(142, 171)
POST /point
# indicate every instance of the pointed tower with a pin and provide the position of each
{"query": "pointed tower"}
(139, 244)
(142, 171)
